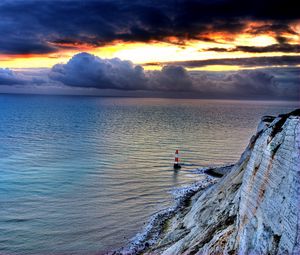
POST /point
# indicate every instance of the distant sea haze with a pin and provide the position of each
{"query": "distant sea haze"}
(84, 174)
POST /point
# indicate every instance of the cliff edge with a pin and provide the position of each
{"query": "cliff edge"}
(252, 209)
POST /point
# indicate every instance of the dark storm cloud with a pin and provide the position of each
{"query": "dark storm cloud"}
(86, 70)
(282, 47)
(254, 84)
(11, 78)
(170, 78)
(8, 77)
(246, 62)
(268, 83)
(32, 26)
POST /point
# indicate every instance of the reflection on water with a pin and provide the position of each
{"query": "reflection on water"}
(82, 174)
(175, 174)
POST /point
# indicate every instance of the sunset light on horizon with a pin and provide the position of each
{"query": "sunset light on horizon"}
(180, 46)
(158, 52)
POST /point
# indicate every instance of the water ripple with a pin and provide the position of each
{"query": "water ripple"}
(82, 175)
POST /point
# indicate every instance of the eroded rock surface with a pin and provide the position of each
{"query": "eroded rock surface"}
(253, 209)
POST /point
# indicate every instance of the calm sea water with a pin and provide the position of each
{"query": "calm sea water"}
(82, 175)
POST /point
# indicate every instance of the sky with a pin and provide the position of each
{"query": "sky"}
(228, 49)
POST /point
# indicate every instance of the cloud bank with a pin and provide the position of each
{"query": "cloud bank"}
(88, 73)
(86, 70)
(8, 77)
(24, 77)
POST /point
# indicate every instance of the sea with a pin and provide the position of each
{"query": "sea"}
(83, 175)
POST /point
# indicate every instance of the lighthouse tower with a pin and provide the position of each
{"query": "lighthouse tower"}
(176, 162)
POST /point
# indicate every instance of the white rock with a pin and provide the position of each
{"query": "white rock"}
(254, 209)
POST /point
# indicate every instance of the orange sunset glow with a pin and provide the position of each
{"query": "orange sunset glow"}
(155, 51)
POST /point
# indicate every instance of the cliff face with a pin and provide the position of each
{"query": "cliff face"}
(253, 209)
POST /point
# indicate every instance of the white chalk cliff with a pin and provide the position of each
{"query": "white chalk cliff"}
(253, 209)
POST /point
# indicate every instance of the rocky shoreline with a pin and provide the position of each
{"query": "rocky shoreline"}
(252, 209)
(157, 223)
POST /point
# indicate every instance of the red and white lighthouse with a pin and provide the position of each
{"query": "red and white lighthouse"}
(176, 162)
